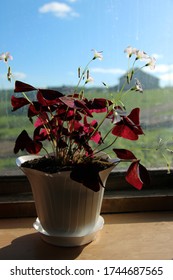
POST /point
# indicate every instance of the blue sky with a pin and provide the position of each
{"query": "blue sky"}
(49, 40)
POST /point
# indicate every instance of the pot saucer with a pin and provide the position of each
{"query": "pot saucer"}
(68, 241)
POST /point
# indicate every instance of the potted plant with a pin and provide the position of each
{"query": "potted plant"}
(68, 181)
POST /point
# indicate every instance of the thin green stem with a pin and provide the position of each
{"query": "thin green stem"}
(105, 148)
(27, 98)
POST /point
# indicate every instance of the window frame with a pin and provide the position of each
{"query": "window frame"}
(16, 198)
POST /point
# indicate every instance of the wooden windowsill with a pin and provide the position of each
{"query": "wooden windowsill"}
(128, 236)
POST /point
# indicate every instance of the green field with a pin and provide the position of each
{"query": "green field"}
(156, 119)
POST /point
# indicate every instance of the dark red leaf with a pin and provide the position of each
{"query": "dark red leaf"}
(41, 120)
(90, 130)
(24, 142)
(137, 175)
(128, 127)
(98, 105)
(88, 175)
(76, 126)
(34, 147)
(124, 131)
(50, 94)
(40, 134)
(18, 102)
(124, 154)
(144, 175)
(48, 97)
(81, 105)
(76, 104)
(134, 116)
(34, 109)
(96, 137)
(68, 100)
(67, 115)
(133, 177)
(23, 87)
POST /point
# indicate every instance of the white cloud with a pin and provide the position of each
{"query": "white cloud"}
(19, 75)
(162, 68)
(58, 9)
(157, 56)
(164, 72)
(167, 77)
(113, 71)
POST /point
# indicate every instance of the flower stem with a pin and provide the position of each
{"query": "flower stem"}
(105, 148)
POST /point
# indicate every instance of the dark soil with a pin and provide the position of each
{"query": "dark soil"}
(52, 165)
(48, 165)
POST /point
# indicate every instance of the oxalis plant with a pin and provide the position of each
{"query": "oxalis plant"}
(72, 123)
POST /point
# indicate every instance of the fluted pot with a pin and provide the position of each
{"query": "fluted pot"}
(68, 212)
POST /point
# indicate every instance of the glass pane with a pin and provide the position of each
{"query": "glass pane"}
(50, 40)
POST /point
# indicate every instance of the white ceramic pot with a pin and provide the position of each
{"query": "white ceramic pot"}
(68, 212)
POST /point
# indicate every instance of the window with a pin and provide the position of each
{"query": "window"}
(50, 40)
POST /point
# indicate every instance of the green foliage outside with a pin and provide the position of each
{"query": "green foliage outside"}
(156, 120)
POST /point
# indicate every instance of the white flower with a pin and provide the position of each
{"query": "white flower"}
(5, 56)
(117, 115)
(141, 55)
(89, 80)
(138, 86)
(151, 63)
(97, 54)
(129, 50)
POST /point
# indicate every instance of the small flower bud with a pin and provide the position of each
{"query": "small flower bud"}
(9, 74)
(88, 74)
(78, 72)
